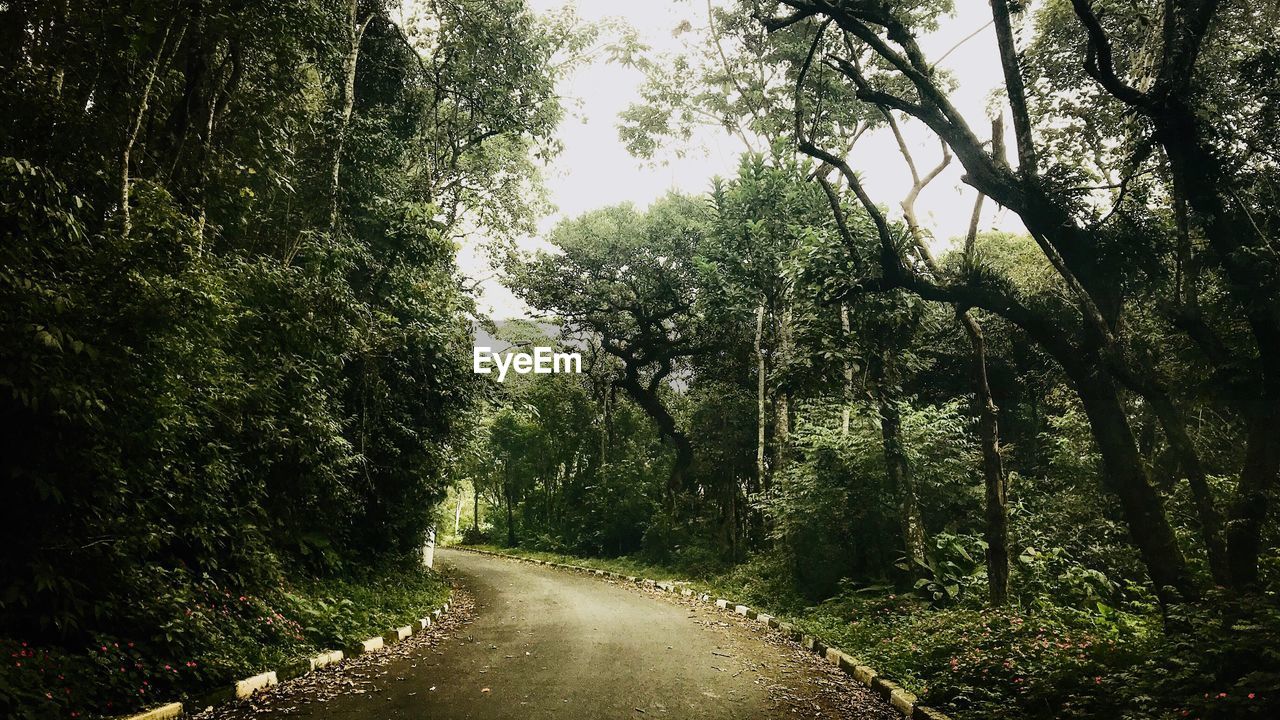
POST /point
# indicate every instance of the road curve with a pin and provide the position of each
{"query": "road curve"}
(549, 644)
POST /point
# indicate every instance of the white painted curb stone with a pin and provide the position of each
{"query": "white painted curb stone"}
(248, 686)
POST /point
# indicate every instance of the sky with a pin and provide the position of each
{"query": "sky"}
(594, 169)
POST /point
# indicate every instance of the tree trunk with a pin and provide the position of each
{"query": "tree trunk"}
(760, 395)
(1123, 471)
(652, 406)
(457, 514)
(604, 428)
(993, 475)
(848, 376)
(511, 523)
(1248, 509)
(1184, 450)
(897, 468)
(1125, 476)
(357, 29)
(994, 480)
(1014, 87)
(781, 400)
(1239, 247)
(131, 139)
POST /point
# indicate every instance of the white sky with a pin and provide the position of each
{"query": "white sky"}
(595, 170)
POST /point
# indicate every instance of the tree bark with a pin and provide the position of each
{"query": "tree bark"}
(848, 375)
(1123, 471)
(1232, 239)
(781, 400)
(1126, 477)
(760, 395)
(994, 479)
(1248, 510)
(357, 29)
(1239, 246)
(1014, 88)
(897, 469)
(506, 491)
(996, 529)
(135, 128)
(649, 401)
(457, 515)
(1175, 431)
(604, 428)
(993, 475)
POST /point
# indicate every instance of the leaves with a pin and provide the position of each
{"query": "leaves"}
(240, 393)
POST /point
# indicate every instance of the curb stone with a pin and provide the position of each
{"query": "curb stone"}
(327, 658)
(248, 686)
(906, 703)
(373, 644)
(164, 712)
(251, 685)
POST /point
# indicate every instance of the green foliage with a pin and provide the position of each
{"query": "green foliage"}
(954, 569)
(211, 636)
(234, 348)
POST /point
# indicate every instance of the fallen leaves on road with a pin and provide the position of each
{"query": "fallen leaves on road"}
(352, 676)
(801, 685)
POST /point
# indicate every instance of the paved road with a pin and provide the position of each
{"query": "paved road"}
(545, 643)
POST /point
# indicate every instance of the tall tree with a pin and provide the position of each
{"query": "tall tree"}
(630, 278)
(884, 64)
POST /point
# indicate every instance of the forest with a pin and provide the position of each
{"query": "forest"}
(236, 348)
(1029, 473)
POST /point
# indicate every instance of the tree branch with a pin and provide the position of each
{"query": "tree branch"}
(1099, 62)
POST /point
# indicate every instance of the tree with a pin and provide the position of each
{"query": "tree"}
(884, 65)
(234, 346)
(630, 279)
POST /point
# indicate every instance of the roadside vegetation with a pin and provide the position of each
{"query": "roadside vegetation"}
(210, 638)
(1029, 473)
(234, 345)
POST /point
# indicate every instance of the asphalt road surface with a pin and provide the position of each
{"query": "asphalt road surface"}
(528, 642)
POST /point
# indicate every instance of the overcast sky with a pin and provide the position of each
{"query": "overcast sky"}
(594, 170)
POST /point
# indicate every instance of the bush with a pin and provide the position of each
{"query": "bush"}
(475, 536)
(207, 636)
